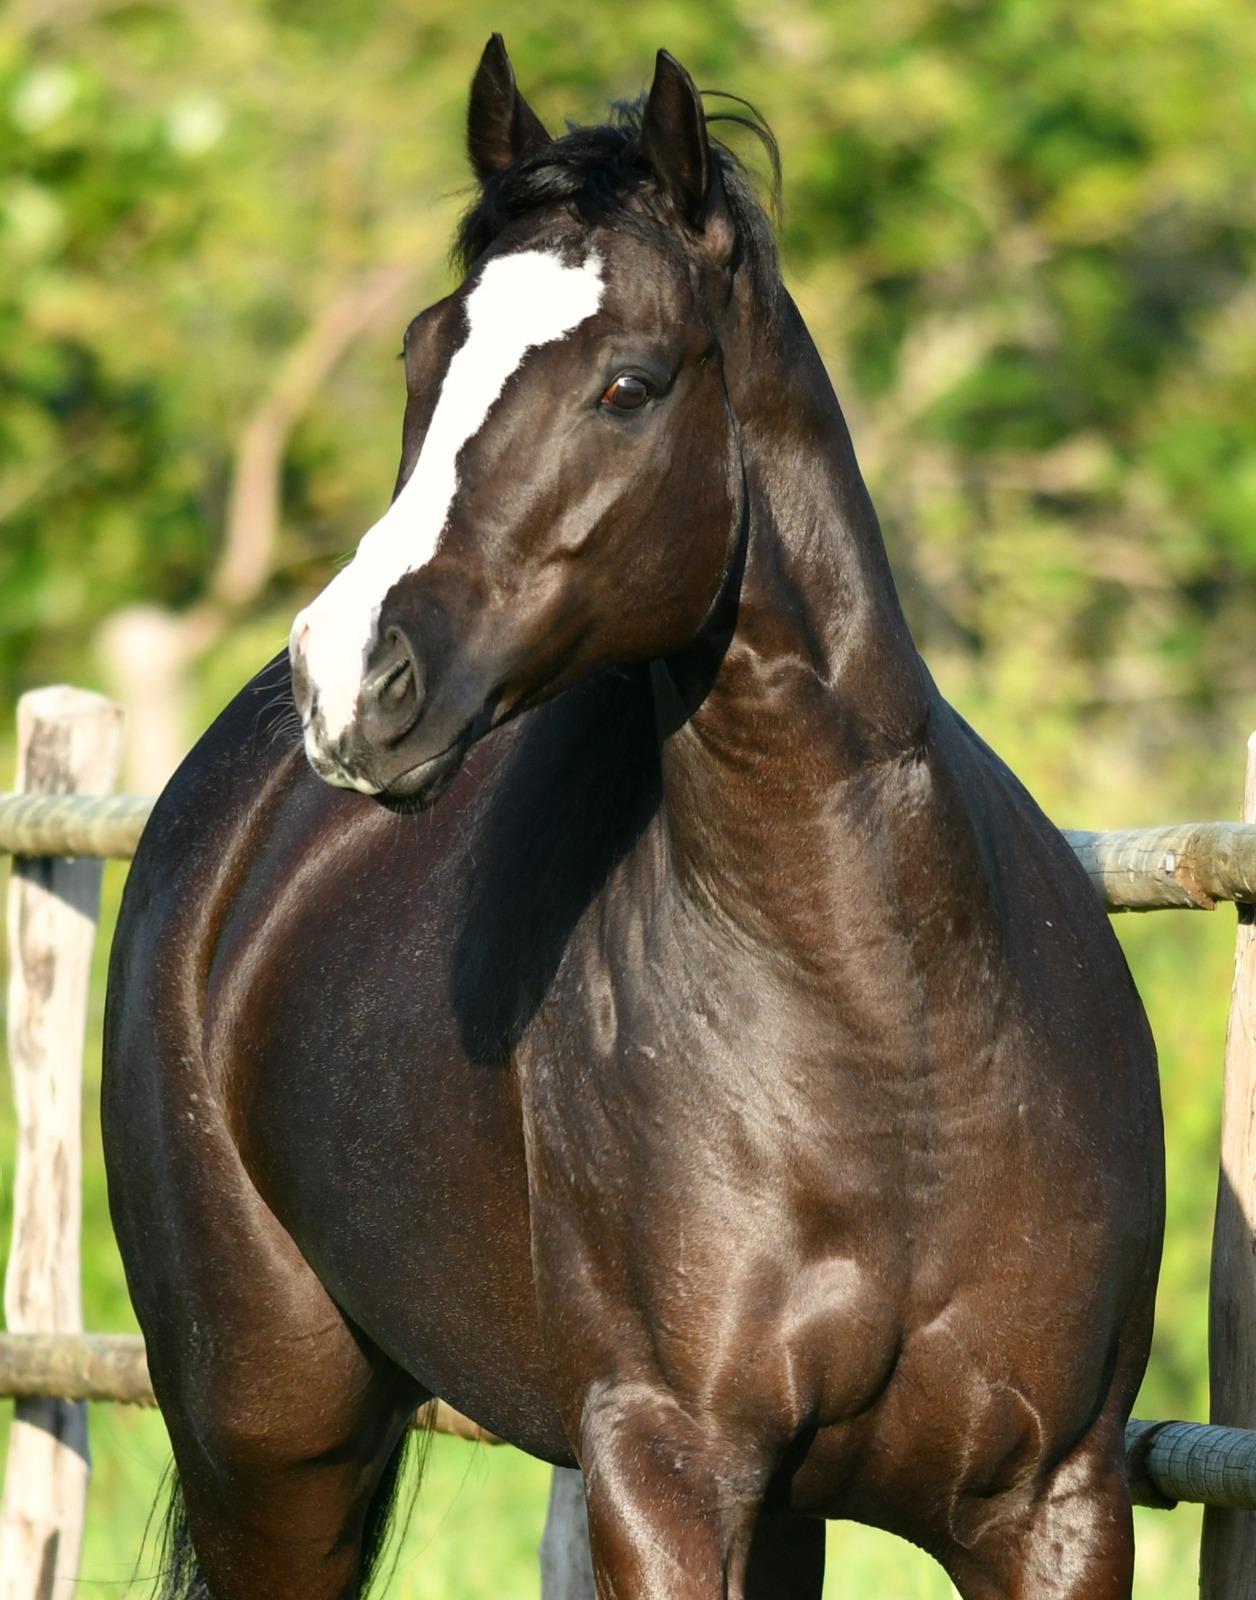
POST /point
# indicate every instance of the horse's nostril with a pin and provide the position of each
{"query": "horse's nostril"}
(395, 684)
(393, 692)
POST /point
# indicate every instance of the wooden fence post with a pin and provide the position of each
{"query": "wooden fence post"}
(1227, 1562)
(566, 1564)
(69, 741)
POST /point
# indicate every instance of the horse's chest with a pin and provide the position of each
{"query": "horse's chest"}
(661, 1095)
(688, 1172)
(646, 1083)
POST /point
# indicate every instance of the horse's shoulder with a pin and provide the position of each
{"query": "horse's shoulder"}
(244, 813)
(245, 760)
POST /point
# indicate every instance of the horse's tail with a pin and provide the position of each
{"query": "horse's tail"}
(409, 1457)
(179, 1572)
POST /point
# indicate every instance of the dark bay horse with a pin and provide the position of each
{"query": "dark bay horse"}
(732, 1084)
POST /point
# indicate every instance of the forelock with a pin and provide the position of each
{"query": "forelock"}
(599, 177)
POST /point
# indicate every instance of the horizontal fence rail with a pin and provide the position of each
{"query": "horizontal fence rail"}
(72, 824)
(1168, 1461)
(114, 1367)
(1189, 866)
(1203, 1463)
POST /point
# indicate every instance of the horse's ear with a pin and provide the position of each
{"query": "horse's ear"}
(674, 140)
(501, 125)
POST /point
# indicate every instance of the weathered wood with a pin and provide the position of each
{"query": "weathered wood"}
(1192, 1461)
(566, 1564)
(113, 1366)
(68, 741)
(442, 1418)
(89, 1366)
(72, 825)
(1168, 1461)
(1188, 866)
(1227, 1569)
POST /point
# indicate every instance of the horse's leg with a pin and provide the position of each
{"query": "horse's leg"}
(285, 1426)
(675, 1510)
(1075, 1542)
(786, 1552)
(286, 1488)
(282, 1417)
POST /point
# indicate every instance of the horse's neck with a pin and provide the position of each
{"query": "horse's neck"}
(819, 699)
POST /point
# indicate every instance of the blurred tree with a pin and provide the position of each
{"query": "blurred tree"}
(1024, 235)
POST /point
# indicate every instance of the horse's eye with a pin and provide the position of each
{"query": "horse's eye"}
(627, 392)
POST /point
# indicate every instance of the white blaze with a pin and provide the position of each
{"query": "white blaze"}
(521, 301)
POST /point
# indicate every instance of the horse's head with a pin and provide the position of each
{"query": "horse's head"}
(570, 491)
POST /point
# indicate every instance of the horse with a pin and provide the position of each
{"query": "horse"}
(595, 978)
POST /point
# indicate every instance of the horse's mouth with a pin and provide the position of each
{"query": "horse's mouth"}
(419, 787)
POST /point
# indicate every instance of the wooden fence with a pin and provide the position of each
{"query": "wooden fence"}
(60, 825)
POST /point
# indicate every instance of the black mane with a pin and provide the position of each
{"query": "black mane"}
(601, 174)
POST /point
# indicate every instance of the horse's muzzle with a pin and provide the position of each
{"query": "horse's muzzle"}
(392, 748)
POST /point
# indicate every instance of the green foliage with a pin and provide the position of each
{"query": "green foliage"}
(1024, 236)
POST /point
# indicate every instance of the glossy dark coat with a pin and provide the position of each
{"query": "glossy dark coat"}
(730, 1084)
